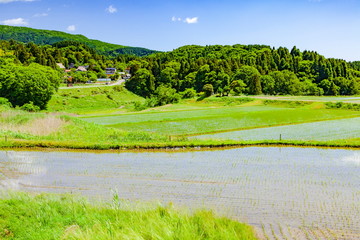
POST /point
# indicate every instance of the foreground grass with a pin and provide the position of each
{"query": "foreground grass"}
(64, 217)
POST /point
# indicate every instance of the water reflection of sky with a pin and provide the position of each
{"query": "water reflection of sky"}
(353, 159)
(18, 166)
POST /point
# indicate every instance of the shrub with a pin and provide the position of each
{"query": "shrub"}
(30, 107)
(208, 90)
(188, 93)
(5, 101)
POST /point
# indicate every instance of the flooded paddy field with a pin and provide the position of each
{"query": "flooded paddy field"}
(284, 192)
(320, 131)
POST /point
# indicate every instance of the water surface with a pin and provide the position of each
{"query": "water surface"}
(287, 193)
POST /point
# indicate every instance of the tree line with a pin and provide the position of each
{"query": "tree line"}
(165, 77)
(244, 69)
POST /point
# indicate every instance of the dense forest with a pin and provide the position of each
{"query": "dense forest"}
(244, 69)
(70, 53)
(189, 71)
(49, 37)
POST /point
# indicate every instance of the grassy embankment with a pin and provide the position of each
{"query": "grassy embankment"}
(118, 126)
(23, 216)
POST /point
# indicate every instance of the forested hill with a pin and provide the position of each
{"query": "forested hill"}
(245, 69)
(49, 37)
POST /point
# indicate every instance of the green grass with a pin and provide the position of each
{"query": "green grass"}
(164, 126)
(23, 216)
(220, 119)
(24, 126)
(95, 100)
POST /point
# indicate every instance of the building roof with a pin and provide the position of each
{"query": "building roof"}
(60, 65)
(81, 68)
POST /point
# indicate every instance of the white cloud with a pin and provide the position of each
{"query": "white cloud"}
(191, 20)
(9, 1)
(71, 28)
(174, 19)
(41, 15)
(111, 9)
(15, 22)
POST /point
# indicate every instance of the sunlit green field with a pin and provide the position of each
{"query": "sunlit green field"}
(113, 122)
(221, 119)
(93, 100)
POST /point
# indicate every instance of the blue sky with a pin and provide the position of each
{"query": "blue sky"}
(330, 27)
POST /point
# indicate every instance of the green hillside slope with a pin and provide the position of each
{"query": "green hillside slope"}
(49, 37)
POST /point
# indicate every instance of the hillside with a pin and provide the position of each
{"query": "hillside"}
(49, 37)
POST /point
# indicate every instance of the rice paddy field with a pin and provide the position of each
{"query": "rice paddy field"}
(283, 192)
(249, 121)
(321, 131)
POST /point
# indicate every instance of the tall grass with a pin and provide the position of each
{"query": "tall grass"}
(93, 100)
(64, 217)
(34, 124)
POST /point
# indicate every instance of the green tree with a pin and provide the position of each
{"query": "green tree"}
(251, 77)
(268, 85)
(208, 90)
(166, 95)
(142, 83)
(26, 84)
(237, 87)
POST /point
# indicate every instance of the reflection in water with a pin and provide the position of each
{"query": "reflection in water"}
(353, 159)
(293, 193)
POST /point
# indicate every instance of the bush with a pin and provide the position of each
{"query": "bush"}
(166, 95)
(208, 90)
(188, 93)
(30, 107)
(5, 101)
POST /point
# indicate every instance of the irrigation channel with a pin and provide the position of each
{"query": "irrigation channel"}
(284, 192)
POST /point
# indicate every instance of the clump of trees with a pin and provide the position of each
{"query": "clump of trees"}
(27, 85)
(245, 69)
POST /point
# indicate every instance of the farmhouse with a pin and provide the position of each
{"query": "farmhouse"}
(60, 65)
(82, 68)
(110, 71)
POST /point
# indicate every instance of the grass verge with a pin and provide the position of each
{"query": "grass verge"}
(23, 216)
(193, 144)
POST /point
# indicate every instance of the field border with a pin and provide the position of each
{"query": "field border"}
(182, 146)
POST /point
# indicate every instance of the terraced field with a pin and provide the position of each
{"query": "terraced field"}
(227, 119)
(318, 131)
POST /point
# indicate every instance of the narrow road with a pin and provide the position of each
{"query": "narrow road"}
(119, 82)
